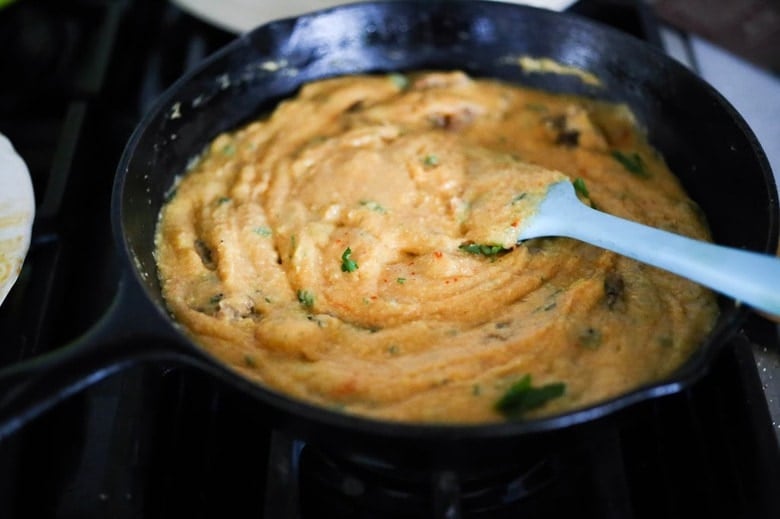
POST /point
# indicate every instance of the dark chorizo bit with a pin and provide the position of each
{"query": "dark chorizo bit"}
(210, 305)
(565, 135)
(614, 288)
(355, 106)
(455, 120)
(568, 138)
(204, 252)
(556, 122)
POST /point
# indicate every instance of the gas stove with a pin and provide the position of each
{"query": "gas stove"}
(162, 440)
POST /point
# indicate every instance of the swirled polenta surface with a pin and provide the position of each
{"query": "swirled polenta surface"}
(356, 249)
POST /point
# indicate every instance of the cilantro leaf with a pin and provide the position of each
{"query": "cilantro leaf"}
(522, 397)
(306, 298)
(581, 188)
(632, 162)
(347, 264)
(400, 81)
(431, 160)
(485, 250)
(373, 206)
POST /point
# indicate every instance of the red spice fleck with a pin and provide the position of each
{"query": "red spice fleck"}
(438, 254)
(515, 223)
(346, 388)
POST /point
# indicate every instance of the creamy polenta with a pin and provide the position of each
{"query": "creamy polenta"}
(357, 249)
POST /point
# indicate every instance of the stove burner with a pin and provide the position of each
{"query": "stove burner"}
(43, 44)
(60, 50)
(582, 476)
(355, 489)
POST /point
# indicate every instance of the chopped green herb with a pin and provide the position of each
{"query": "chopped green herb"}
(170, 194)
(536, 107)
(590, 338)
(373, 206)
(348, 265)
(399, 80)
(522, 397)
(518, 198)
(249, 361)
(485, 250)
(306, 298)
(579, 187)
(229, 150)
(476, 390)
(632, 162)
(263, 231)
(431, 160)
(393, 349)
(400, 281)
(318, 139)
(223, 200)
(216, 298)
(293, 245)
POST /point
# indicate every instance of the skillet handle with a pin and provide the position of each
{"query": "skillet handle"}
(130, 331)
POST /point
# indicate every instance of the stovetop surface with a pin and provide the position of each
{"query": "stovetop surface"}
(157, 440)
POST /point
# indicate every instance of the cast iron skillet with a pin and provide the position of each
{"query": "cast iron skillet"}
(704, 140)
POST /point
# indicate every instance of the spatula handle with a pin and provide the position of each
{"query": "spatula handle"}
(749, 277)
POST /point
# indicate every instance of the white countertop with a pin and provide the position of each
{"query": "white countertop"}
(753, 91)
(243, 15)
